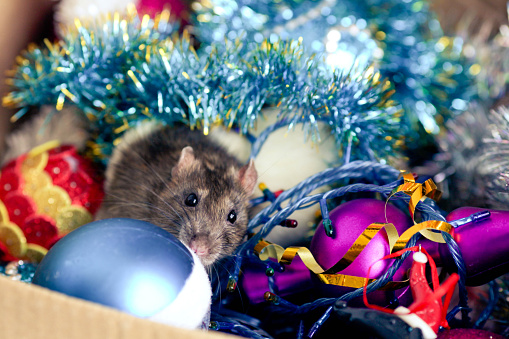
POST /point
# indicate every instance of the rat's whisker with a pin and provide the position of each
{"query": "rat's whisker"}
(163, 181)
(121, 202)
(187, 215)
(166, 203)
(218, 287)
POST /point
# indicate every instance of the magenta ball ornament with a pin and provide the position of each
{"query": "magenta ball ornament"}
(349, 220)
(467, 333)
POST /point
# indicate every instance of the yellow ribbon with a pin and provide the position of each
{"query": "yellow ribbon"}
(416, 191)
(428, 229)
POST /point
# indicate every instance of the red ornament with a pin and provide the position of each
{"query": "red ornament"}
(19, 207)
(44, 194)
(40, 230)
(77, 185)
(58, 169)
(10, 181)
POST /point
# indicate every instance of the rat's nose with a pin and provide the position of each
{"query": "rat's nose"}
(199, 246)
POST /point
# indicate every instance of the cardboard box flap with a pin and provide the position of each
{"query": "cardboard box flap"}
(29, 311)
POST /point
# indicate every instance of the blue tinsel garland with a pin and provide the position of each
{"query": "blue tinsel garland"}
(403, 38)
(125, 71)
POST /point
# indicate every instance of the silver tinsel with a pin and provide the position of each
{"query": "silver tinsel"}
(473, 166)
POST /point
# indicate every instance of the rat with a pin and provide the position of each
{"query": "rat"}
(182, 181)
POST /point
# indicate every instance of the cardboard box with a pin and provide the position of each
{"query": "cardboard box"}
(32, 312)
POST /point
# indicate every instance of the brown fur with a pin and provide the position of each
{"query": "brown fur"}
(66, 126)
(150, 177)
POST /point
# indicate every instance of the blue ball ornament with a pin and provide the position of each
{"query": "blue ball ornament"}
(133, 266)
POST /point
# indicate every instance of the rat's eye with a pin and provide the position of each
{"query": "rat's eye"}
(191, 200)
(232, 216)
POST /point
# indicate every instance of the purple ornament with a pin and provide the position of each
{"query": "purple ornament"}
(349, 220)
(296, 278)
(483, 244)
(467, 333)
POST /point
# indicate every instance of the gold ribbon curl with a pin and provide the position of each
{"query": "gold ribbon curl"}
(428, 229)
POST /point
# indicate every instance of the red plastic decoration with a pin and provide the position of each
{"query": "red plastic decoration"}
(427, 303)
(43, 195)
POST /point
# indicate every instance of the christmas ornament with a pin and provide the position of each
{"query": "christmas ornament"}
(44, 195)
(479, 233)
(427, 312)
(326, 251)
(133, 266)
(358, 243)
(356, 246)
(468, 333)
(344, 259)
(257, 280)
(349, 222)
(297, 198)
(483, 245)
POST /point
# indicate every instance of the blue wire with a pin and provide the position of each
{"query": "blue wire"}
(462, 272)
(316, 326)
(486, 313)
(300, 333)
(237, 329)
(298, 198)
(256, 144)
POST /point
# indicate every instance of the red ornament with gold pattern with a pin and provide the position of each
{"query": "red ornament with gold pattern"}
(44, 195)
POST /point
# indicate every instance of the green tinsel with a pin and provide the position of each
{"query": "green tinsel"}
(126, 70)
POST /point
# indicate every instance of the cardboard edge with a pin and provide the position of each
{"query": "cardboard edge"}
(29, 311)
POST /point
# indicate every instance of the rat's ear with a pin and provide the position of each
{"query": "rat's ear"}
(248, 177)
(185, 161)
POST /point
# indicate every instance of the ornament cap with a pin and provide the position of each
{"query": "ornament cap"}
(420, 257)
